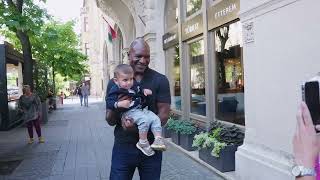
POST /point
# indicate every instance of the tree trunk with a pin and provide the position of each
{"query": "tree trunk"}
(27, 57)
(53, 79)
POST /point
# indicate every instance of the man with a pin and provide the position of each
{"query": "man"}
(125, 156)
(85, 91)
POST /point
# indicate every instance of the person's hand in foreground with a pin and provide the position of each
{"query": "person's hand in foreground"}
(306, 144)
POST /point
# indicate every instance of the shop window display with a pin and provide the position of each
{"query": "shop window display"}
(197, 78)
(175, 82)
(172, 13)
(193, 6)
(230, 84)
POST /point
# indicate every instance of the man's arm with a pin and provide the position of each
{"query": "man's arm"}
(111, 117)
(163, 112)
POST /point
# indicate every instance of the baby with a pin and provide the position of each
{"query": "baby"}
(136, 108)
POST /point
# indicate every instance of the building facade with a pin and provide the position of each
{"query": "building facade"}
(236, 61)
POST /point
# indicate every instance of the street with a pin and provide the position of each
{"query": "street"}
(78, 147)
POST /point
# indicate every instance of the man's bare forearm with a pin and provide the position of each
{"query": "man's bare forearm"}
(111, 117)
(163, 112)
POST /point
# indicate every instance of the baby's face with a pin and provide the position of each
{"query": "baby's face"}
(125, 81)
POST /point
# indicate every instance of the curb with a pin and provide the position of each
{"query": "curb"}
(195, 156)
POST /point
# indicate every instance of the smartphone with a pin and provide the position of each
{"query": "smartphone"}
(311, 96)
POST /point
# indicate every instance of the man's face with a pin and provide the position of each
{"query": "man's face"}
(124, 81)
(139, 57)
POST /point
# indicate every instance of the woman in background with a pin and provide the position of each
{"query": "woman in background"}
(30, 106)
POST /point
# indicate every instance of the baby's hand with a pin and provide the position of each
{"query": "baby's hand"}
(124, 103)
(147, 92)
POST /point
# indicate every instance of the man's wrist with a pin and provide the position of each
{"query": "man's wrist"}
(306, 162)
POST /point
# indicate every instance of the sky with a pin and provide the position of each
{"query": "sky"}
(65, 10)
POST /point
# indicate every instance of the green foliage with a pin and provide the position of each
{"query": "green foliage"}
(209, 140)
(230, 134)
(58, 46)
(181, 126)
(29, 19)
(41, 80)
(218, 138)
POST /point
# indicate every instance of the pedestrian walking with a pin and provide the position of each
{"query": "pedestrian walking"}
(30, 107)
(85, 91)
(61, 97)
(79, 93)
(125, 156)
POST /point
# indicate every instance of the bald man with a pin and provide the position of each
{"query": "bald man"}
(125, 156)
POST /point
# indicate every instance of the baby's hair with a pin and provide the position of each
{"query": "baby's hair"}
(122, 68)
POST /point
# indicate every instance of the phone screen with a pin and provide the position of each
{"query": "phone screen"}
(312, 99)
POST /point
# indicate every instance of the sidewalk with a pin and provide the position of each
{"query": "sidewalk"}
(78, 147)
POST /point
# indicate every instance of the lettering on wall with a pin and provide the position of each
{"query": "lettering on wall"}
(192, 27)
(222, 13)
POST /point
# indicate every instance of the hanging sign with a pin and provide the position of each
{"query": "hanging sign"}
(170, 38)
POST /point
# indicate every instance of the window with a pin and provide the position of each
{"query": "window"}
(174, 73)
(172, 13)
(193, 6)
(85, 24)
(14, 78)
(230, 84)
(197, 78)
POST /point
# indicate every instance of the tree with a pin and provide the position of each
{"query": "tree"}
(24, 18)
(58, 46)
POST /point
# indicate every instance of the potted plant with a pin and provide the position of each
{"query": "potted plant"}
(166, 133)
(218, 146)
(187, 130)
(173, 125)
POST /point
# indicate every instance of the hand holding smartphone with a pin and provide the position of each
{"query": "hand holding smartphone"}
(311, 96)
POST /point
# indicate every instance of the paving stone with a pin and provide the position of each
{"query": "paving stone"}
(78, 147)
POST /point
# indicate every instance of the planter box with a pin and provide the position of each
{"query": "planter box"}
(175, 137)
(166, 133)
(186, 141)
(45, 108)
(224, 163)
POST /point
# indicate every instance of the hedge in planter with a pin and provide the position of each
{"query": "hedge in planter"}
(174, 133)
(218, 147)
(187, 131)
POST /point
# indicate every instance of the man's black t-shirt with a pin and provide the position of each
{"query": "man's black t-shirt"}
(159, 85)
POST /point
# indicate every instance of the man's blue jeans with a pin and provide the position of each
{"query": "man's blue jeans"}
(127, 157)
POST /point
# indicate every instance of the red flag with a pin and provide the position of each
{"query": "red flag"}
(112, 34)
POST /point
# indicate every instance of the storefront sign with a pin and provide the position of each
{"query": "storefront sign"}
(171, 38)
(192, 28)
(223, 12)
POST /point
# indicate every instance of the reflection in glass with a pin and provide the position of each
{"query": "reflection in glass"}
(172, 13)
(174, 70)
(14, 75)
(197, 77)
(230, 84)
(193, 6)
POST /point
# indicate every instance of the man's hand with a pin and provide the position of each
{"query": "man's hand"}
(306, 144)
(124, 103)
(127, 122)
(147, 92)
